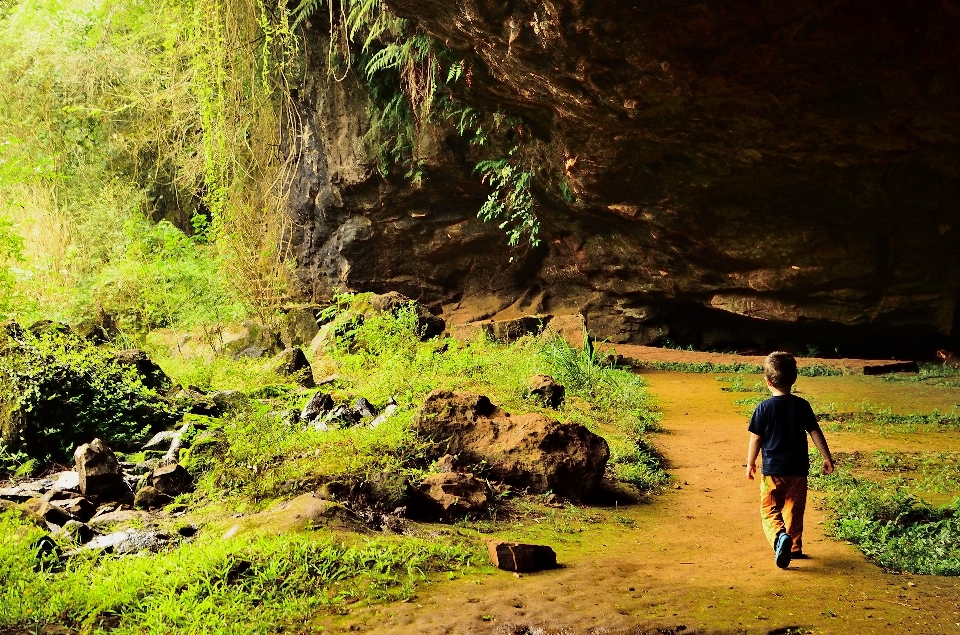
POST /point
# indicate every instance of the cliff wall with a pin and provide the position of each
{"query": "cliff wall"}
(743, 174)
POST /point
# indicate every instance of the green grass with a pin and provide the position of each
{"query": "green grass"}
(919, 472)
(890, 526)
(266, 453)
(256, 585)
(815, 370)
(870, 417)
(738, 385)
(701, 367)
(930, 373)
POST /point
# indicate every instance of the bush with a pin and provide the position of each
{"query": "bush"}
(59, 390)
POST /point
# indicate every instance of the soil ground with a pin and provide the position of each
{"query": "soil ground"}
(694, 559)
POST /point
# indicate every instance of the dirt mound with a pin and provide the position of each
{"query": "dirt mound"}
(528, 451)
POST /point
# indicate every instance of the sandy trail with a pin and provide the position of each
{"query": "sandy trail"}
(694, 557)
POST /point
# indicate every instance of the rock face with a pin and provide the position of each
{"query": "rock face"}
(98, 470)
(527, 451)
(740, 173)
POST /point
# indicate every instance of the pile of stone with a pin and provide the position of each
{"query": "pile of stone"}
(322, 413)
(529, 452)
(532, 452)
(101, 492)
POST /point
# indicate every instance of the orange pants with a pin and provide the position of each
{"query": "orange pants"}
(782, 501)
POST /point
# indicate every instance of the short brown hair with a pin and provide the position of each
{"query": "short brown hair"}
(781, 369)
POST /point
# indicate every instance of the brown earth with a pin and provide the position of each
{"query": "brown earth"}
(694, 557)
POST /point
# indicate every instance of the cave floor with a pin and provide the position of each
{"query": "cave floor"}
(694, 558)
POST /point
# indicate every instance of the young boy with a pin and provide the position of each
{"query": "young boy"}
(779, 426)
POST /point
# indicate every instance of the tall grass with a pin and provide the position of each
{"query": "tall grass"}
(254, 585)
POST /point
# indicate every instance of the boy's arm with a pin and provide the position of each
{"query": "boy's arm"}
(821, 443)
(753, 451)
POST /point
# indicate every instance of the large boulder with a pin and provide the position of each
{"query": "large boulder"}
(171, 479)
(98, 470)
(151, 498)
(299, 326)
(527, 451)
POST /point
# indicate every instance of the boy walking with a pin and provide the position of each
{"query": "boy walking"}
(779, 427)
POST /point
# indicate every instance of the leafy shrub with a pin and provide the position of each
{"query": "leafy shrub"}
(66, 391)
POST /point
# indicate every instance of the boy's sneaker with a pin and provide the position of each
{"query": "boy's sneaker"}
(781, 547)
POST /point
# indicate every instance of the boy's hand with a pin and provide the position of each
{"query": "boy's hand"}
(828, 466)
(752, 469)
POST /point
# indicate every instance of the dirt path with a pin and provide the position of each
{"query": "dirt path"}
(694, 557)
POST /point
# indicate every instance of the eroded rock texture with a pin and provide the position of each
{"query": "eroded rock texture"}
(745, 173)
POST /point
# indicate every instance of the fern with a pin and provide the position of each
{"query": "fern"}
(511, 200)
(304, 10)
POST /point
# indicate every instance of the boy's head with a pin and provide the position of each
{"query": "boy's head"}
(781, 370)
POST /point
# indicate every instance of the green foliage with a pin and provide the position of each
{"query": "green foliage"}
(891, 527)
(511, 202)
(162, 279)
(409, 76)
(94, 124)
(212, 586)
(930, 373)
(267, 452)
(68, 391)
(701, 367)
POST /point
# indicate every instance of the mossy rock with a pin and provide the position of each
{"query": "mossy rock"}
(206, 449)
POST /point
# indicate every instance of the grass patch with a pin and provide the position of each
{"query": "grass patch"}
(212, 586)
(920, 472)
(872, 418)
(265, 451)
(814, 370)
(738, 385)
(892, 527)
(930, 373)
(701, 367)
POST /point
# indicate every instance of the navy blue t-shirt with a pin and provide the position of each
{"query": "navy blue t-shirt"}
(783, 423)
